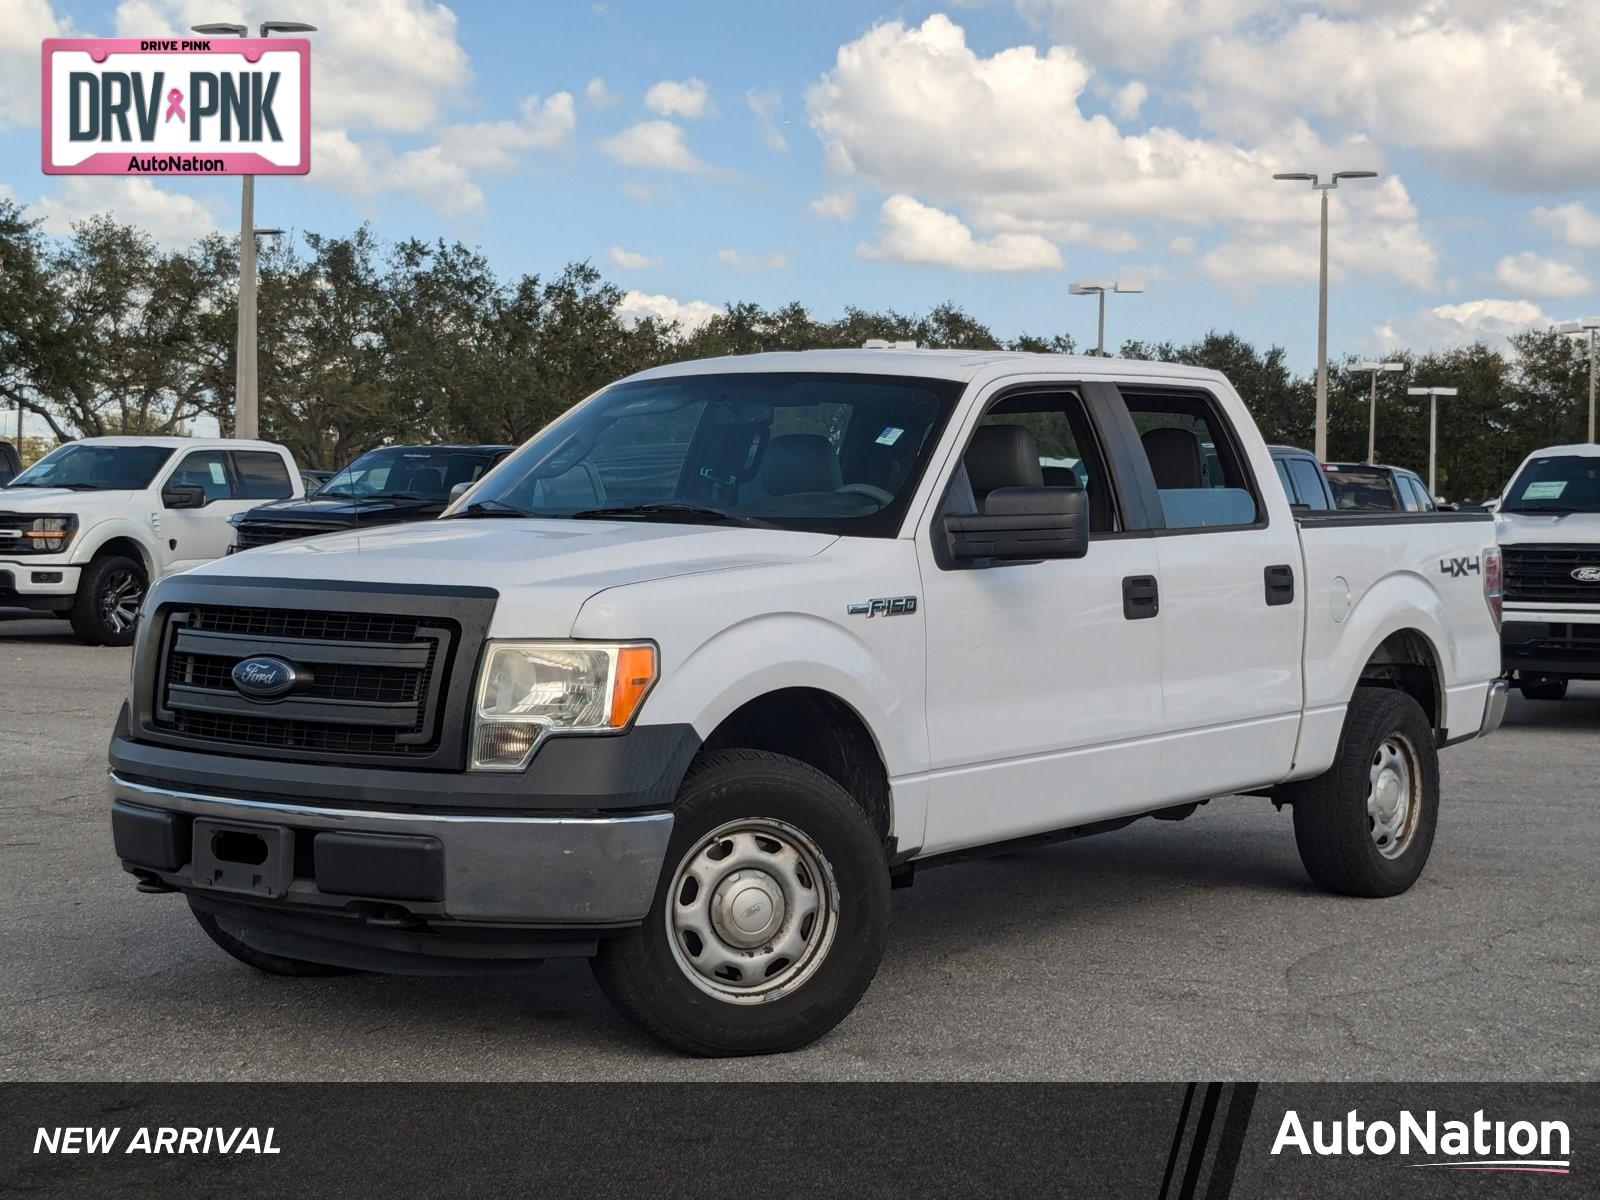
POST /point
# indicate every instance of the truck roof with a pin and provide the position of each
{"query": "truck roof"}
(1577, 449)
(174, 443)
(963, 365)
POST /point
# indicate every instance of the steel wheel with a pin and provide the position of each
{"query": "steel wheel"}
(1394, 801)
(121, 594)
(752, 911)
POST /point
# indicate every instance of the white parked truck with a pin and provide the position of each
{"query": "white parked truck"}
(1549, 531)
(687, 682)
(86, 528)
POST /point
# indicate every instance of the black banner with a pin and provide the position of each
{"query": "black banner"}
(1161, 1141)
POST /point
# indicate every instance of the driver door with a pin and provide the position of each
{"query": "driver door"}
(191, 536)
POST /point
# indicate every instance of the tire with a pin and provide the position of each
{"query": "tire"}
(272, 964)
(105, 612)
(1353, 837)
(1545, 689)
(828, 857)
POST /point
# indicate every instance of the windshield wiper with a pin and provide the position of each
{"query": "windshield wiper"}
(1559, 510)
(480, 508)
(399, 496)
(669, 512)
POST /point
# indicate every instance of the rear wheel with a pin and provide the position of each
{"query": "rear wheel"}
(769, 919)
(272, 964)
(1543, 688)
(1366, 826)
(105, 611)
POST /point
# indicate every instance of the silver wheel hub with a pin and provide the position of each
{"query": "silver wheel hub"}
(1394, 801)
(753, 910)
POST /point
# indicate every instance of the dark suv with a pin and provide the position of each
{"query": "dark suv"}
(383, 487)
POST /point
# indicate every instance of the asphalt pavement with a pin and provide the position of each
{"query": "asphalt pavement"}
(1164, 951)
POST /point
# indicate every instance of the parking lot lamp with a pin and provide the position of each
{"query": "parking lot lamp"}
(1099, 287)
(1376, 368)
(1591, 326)
(1433, 394)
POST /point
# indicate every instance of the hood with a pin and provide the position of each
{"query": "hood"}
(58, 500)
(345, 511)
(543, 569)
(1572, 529)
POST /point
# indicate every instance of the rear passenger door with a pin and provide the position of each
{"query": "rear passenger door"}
(1231, 594)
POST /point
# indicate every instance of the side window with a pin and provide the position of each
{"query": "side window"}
(261, 475)
(1424, 501)
(207, 470)
(1199, 471)
(1411, 497)
(1308, 482)
(1038, 439)
(1282, 467)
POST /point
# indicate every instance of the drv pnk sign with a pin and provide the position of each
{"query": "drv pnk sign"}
(177, 106)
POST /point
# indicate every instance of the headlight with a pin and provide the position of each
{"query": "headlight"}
(528, 689)
(49, 535)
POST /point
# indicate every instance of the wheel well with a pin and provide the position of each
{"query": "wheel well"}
(1406, 660)
(817, 728)
(128, 548)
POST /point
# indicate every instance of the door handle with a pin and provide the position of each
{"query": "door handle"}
(1141, 597)
(1280, 584)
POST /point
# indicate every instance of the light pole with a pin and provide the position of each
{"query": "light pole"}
(246, 414)
(1591, 326)
(1321, 447)
(1433, 394)
(1372, 405)
(1099, 287)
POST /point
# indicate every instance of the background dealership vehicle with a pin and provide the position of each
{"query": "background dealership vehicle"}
(1302, 476)
(693, 676)
(1364, 487)
(10, 463)
(381, 487)
(1549, 527)
(86, 528)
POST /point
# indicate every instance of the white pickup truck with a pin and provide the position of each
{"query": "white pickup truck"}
(86, 528)
(1549, 530)
(687, 682)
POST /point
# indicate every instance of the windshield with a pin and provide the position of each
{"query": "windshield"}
(819, 451)
(407, 472)
(1560, 483)
(1362, 490)
(95, 468)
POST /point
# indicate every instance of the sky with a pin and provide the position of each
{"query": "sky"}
(986, 152)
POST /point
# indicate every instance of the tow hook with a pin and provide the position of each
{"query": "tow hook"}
(152, 885)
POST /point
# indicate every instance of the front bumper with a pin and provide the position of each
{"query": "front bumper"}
(1494, 707)
(42, 585)
(1567, 647)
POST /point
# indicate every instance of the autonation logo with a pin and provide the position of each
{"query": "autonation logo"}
(1476, 1145)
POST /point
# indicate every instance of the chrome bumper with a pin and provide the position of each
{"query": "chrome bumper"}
(508, 869)
(1494, 707)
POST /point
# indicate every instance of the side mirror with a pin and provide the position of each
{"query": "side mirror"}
(183, 495)
(459, 491)
(1019, 524)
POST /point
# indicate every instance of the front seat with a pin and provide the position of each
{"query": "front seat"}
(1002, 456)
(800, 462)
(1175, 458)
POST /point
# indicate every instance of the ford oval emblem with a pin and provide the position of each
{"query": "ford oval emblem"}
(264, 678)
(1587, 574)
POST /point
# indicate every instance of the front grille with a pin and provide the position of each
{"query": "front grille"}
(1544, 573)
(371, 683)
(20, 522)
(250, 534)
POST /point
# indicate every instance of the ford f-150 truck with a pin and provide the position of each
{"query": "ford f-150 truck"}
(86, 528)
(691, 679)
(1549, 527)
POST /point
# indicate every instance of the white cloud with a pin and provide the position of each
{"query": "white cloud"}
(637, 191)
(389, 65)
(1002, 144)
(752, 262)
(173, 219)
(658, 145)
(689, 314)
(765, 105)
(839, 205)
(23, 25)
(631, 260)
(1254, 255)
(1573, 223)
(1498, 92)
(597, 95)
(1129, 99)
(1530, 274)
(1182, 244)
(686, 98)
(1439, 328)
(911, 232)
(1136, 33)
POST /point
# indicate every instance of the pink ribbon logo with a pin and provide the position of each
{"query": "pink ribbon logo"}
(175, 105)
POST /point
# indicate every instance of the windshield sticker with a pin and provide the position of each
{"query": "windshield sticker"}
(1546, 490)
(890, 435)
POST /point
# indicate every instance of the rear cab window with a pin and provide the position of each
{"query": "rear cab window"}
(1194, 457)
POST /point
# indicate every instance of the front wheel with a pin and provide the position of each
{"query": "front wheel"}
(1546, 688)
(770, 916)
(105, 611)
(1365, 826)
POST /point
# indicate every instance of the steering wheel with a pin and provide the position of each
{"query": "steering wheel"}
(883, 498)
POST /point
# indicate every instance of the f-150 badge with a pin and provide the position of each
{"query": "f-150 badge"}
(883, 606)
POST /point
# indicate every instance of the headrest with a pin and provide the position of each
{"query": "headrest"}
(1002, 456)
(800, 462)
(1175, 458)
